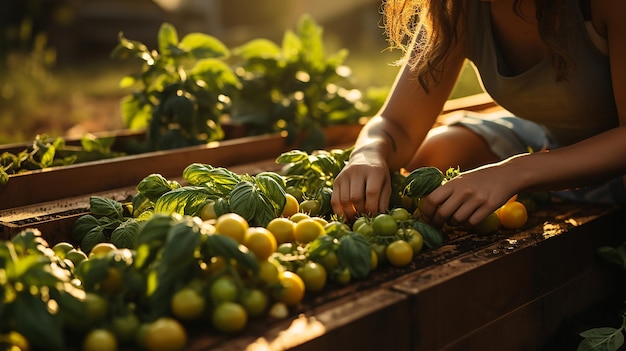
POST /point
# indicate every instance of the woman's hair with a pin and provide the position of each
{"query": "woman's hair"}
(426, 30)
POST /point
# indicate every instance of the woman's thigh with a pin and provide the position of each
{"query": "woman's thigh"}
(453, 146)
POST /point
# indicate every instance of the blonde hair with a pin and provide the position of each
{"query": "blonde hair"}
(426, 30)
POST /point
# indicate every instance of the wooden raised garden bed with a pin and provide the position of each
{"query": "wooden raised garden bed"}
(515, 290)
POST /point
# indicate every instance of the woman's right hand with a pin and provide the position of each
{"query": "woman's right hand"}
(362, 187)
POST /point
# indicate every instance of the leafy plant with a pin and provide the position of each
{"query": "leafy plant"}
(294, 87)
(607, 338)
(46, 152)
(182, 89)
(33, 279)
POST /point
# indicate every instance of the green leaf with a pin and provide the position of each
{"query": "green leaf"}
(291, 46)
(216, 73)
(201, 45)
(167, 39)
(605, 338)
(220, 180)
(92, 238)
(47, 158)
(187, 200)
(293, 156)
(311, 36)
(32, 319)
(433, 238)
(227, 247)
(125, 236)
(155, 185)
(355, 253)
(258, 48)
(321, 246)
(83, 225)
(101, 206)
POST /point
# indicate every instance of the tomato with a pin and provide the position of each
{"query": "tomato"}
(307, 230)
(102, 249)
(399, 253)
(165, 334)
(297, 217)
(330, 261)
(320, 220)
(230, 317)
(261, 242)
(125, 327)
(292, 206)
(313, 275)
(223, 289)
(113, 282)
(76, 256)
(310, 207)
(400, 214)
(208, 211)
(187, 304)
(366, 229)
(269, 272)
(343, 277)
(255, 301)
(295, 192)
(233, 225)
(358, 222)
(100, 340)
(384, 225)
(61, 248)
(415, 239)
(379, 249)
(336, 228)
(374, 259)
(96, 308)
(282, 228)
(286, 248)
(292, 289)
(489, 225)
(513, 215)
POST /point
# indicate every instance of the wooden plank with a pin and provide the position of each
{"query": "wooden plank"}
(460, 302)
(376, 319)
(91, 177)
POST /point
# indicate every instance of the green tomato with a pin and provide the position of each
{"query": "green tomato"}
(384, 225)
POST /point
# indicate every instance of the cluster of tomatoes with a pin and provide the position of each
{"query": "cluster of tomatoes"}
(291, 265)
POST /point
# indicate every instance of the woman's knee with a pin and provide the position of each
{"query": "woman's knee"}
(453, 146)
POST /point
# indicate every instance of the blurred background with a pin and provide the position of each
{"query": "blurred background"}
(56, 76)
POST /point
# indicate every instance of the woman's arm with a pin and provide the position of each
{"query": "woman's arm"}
(474, 194)
(389, 140)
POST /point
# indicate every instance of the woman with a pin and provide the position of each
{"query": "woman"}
(558, 63)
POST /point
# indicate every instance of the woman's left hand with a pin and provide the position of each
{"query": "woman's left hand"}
(469, 197)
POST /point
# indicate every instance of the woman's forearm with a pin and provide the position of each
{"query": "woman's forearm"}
(590, 161)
